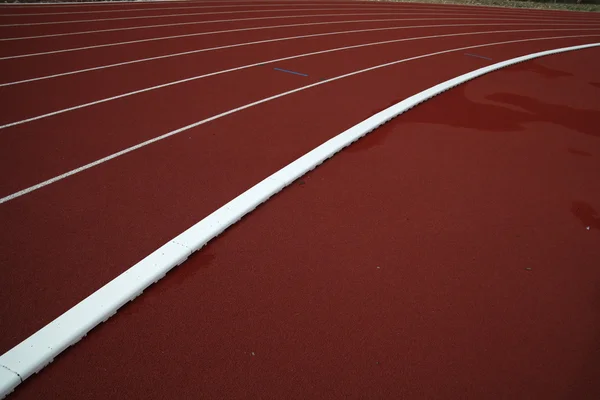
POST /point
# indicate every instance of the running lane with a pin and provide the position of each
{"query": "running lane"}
(26, 30)
(84, 17)
(33, 44)
(445, 255)
(66, 141)
(92, 226)
(35, 16)
(23, 100)
(59, 19)
(23, 65)
(138, 27)
(110, 6)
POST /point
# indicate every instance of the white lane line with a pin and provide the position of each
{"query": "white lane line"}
(235, 45)
(98, 46)
(178, 24)
(261, 63)
(38, 350)
(81, 21)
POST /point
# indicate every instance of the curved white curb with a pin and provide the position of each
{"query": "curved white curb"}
(35, 352)
(8, 381)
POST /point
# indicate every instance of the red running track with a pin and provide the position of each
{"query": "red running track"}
(453, 201)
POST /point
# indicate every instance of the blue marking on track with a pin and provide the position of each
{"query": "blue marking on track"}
(289, 72)
(475, 55)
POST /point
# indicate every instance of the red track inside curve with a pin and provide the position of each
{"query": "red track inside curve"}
(452, 253)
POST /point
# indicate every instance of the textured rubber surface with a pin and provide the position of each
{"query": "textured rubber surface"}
(40, 349)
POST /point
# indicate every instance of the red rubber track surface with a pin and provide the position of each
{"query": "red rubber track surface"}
(124, 122)
(474, 206)
(25, 68)
(294, 15)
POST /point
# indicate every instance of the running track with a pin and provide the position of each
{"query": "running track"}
(451, 253)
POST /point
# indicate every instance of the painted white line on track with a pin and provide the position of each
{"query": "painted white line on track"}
(235, 45)
(187, 35)
(38, 350)
(82, 21)
(261, 63)
(179, 24)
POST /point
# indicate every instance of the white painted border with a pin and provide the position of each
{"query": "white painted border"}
(38, 350)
